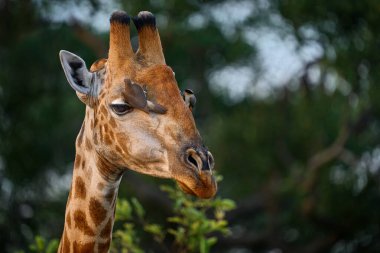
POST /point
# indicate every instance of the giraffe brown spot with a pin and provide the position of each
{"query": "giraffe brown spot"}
(92, 124)
(112, 135)
(113, 122)
(83, 248)
(65, 242)
(100, 186)
(68, 219)
(96, 141)
(121, 140)
(103, 247)
(101, 136)
(98, 65)
(78, 159)
(80, 223)
(83, 163)
(105, 128)
(103, 110)
(80, 188)
(80, 136)
(97, 211)
(88, 144)
(106, 232)
(118, 149)
(107, 139)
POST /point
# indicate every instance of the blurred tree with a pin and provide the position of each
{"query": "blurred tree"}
(302, 162)
(306, 160)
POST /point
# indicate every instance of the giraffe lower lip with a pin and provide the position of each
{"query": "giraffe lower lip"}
(204, 187)
(185, 188)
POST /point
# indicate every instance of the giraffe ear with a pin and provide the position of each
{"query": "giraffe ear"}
(79, 78)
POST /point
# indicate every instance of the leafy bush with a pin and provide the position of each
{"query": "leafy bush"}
(191, 228)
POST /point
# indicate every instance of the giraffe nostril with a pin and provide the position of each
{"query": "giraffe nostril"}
(191, 159)
(201, 160)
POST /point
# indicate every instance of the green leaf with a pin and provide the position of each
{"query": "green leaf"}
(228, 204)
(175, 219)
(211, 241)
(40, 243)
(52, 246)
(203, 245)
(153, 229)
(123, 210)
(138, 208)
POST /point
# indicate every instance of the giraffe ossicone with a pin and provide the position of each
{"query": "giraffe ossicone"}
(137, 119)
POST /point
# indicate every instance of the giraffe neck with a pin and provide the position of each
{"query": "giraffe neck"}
(90, 207)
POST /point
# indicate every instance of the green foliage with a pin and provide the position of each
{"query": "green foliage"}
(41, 245)
(193, 225)
(126, 238)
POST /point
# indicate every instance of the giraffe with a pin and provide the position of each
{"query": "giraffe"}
(135, 119)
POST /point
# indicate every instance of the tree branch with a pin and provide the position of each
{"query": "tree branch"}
(326, 155)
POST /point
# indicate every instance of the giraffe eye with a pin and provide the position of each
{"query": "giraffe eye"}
(121, 109)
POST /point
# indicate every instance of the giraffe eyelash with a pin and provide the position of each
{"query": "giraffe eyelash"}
(121, 108)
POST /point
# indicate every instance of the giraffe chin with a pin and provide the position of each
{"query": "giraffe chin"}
(205, 189)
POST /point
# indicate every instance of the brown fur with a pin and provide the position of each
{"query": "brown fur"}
(106, 232)
(78, 159)
(88, 144)
(147, 46)
(98, 65)
(69, 198)
(107, 139)
(103, 247)
(80, 136)
(65, 244)
(110, 196)
(96, 140)
(100, 186)
(83, 248)
(97, 211)
(83, 165)
(112, 122)
(80, 223)
(80, 188)
(68, 219)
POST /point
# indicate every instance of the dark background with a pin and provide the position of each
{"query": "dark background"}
(288, 102)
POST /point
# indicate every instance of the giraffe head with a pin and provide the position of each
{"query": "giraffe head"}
(136, 115)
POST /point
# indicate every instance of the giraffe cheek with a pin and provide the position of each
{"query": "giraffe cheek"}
(147, 149)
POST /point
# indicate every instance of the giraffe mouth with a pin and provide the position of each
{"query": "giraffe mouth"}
(204, 186)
